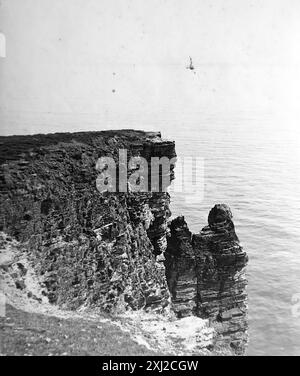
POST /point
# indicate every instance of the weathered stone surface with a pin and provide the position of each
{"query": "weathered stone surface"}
(221, 277)
(206, 275)
(115, 250)
(181, 268)
(91, 248)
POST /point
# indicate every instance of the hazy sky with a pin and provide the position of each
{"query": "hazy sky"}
(122, 63)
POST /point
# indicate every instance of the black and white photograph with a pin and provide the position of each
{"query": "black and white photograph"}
(149, 181)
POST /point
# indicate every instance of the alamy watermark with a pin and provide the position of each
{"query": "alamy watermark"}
(155, 175)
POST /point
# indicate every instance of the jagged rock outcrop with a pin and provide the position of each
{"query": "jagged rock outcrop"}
(180, 268)
(91, 248)
(115, 250)
(206, 275)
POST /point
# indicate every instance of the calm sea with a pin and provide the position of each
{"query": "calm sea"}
(255, 168)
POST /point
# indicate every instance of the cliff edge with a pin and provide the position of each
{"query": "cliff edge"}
(117, 251)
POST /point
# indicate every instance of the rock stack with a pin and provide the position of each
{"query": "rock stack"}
(180, 268)
(206, 275)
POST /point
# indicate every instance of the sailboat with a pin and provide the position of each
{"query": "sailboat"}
(191, 66)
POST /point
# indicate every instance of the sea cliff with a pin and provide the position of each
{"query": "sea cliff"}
(118, 251)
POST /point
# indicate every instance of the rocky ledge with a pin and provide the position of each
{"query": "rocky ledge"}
(118, 251)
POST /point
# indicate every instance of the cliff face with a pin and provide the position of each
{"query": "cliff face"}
(106, 249)
(90, 248)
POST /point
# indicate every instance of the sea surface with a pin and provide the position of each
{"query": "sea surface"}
(254, 167)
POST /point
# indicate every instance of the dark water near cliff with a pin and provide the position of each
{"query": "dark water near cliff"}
(255, 168)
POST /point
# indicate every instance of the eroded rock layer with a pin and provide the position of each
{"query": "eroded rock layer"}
(206, 275)
(116, 250)
(91, 248)
(181, 269)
